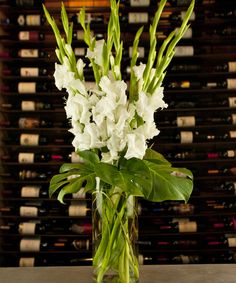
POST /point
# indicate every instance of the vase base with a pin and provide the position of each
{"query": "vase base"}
(114, 278)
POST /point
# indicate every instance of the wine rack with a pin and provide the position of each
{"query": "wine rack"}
(197, 132)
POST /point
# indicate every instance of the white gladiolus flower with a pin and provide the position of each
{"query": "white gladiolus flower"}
(101, 116)
(79, 86)
(148, 129)
(136, 146)
(139, 70)
(63, 77)
(80, 66)
(96, 54)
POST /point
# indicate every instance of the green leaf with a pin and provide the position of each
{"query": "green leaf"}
(155, 156)
(114, 177)
(81, 173)
(71, 166)
(168, 183)
(73, 187)
(89, 156)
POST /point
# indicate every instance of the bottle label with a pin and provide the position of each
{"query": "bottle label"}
(27, 262)
(90, 85)
(80, 194)
(230, 153)
(232, 242)
(28, 123)
(28, 211)
(190, 226)
(232, 66)
(26, 157)
(141, 52)
(27, 228)
(24, 35)
(185, 259)
(75, 158)
(33, 20)
(184, 51)
(188, 33)
(27, 87)
(80, 35)
(232, 102)
(29, 139)
(138, 3)
(138, 18)
(27, 105)
(186, 137)
(192, 17)
(30, 245)
(29, 53)
(231, 83)
(78, 210)
(233, 119)
(29, 72)
(79, 51)
(81, 244)
(232, 134)
(30, 192)
(185, 121)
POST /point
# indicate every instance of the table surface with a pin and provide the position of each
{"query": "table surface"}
(207, 273)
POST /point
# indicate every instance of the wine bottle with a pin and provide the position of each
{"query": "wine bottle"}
(192, 121)
(191, 155)
(24, 53)
(135, 18)
(25, 72)
(24, 211)
(89, 18)
(41, 261)
(184, 85)
(150, 210)
(27, 105)
(27, 140)
(24, 228)
(225, 242)
(225, 67)
(28, 191)
(185, 243)
(228, 83)
(78, 228)
(187, 259)
(27, 87)
(195, 136)
(225, 31)
(31, 157)
(30, 20)
(182, 208)
(222, 171)
(27, 123)
(27, 175)
(149, 260)
(79, 209)
(179, 227)
(27, 157)
(30, 36)
(73, 157)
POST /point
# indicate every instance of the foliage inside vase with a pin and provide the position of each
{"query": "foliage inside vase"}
(112, 122)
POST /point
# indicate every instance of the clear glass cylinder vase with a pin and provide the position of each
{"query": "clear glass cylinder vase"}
(115, 235)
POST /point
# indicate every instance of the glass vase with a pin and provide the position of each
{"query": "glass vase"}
(115, 234)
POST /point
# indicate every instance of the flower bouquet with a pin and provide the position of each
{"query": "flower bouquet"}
(112, 122)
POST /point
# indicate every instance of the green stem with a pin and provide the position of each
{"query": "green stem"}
(115, 251)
